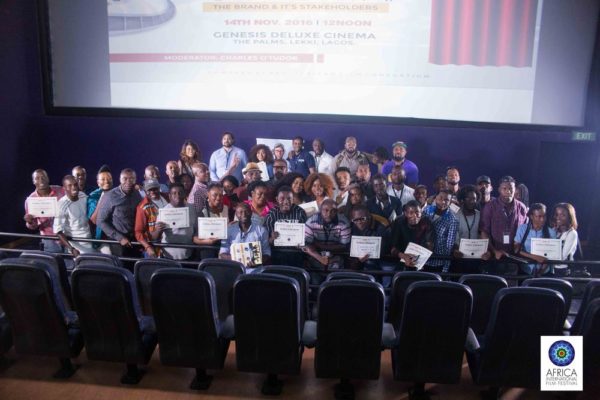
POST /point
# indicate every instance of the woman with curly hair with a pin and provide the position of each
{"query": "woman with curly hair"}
(188, 155)
(319, 187)
(262, 153)
(565, 223)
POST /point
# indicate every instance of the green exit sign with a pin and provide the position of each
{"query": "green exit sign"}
(584, 136)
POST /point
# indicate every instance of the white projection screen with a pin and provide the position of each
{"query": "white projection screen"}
(502, 61)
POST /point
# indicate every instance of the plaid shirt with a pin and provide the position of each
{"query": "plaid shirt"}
(338, 231)
(198, 196)
(445, 228)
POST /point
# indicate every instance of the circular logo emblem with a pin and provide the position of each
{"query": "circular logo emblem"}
(561, 353)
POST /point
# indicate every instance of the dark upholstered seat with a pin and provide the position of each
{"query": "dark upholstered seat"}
(58, 265)
(190, 335)
(31, 296)
(338, 275)
(560, 285)
(98, 259)
(111, 320)
(484, 289)
(591, 292)
(400, 283)
(224, 272)
(268, 336)
(142, 272)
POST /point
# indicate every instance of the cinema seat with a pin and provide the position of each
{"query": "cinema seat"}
(268, 335)
(58, 265)
(349, 334)
(590, 330)
(338, 275)
(560, 285)
(111, 320)
(508, 355)
(98, 259)
(31, 297)
(591, 292)
(6, 341)
(224, 272)
(190, 335)
(400, 283)
(433, 330)
(484, 289)
(142, 272)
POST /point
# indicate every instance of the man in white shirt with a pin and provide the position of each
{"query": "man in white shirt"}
(71, 219)
(398, 188)
(323, 160)
(228, 160)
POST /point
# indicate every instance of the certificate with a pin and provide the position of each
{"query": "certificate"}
(246, 252)
(420, 252)
(290, 234)
(264, 172)
(473, 248)
(42, 206)
(212, 228)
(549, 248)
(454, 208)
(311, 208)
(360, 246)
(175, 218)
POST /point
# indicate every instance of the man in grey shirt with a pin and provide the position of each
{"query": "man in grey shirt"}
(116, 216)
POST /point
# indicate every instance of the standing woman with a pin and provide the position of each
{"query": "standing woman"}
(262, 153)
(565, 223)
(188, 155)
(319, 187)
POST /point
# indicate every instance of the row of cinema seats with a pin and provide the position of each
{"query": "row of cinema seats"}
(193, 315)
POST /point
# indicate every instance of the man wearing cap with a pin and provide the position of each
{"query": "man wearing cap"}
(350, 157)
(146, 214)
(323, 160)
(228, 160)
(199, 192)
(300, 160)
(484, 187)
(399, 150)
(251, 173)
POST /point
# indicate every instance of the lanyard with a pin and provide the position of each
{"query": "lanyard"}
(401, 192)
(467, 222)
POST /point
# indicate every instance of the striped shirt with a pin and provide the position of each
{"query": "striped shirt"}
(295, 215)
(337, 231)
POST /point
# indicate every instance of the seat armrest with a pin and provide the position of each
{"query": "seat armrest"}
(309, 335)
(388, 336)
(472, 344)
(227, 328)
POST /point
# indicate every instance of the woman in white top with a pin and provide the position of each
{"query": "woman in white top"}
(565, 223)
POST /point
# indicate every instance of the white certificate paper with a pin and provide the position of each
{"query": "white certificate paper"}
(264, 172)
(212, 228)
(549, 248)
(454, 208)
(420, 252)
(310, 208)
(42, 206)
(290, 234)
(360, 246)
(175, 218)
(246, 252)
(473, 248)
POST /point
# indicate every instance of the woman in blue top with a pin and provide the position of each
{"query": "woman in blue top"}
(538, 228)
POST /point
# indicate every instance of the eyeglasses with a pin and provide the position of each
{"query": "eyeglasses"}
(360, 219)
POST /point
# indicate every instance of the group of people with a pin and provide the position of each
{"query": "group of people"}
(353, 193)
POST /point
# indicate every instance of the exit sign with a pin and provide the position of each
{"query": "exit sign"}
(584, 136)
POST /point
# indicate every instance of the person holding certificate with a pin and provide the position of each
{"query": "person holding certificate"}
(410, 228)
(259, 205)
(445, 226)
(288, 212)
(468, 229)
(146, 214)
(71, 219)
(565, 223)
(215, 208)
(245, 231)
(183, 235)
(535, 228)
(36, 222)
(363, 225)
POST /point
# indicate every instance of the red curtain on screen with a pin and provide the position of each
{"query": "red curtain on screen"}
(482, 32)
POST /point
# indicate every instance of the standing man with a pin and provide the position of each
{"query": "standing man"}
(383, 204)
(71, 220)
(399, 150)
(445, 227)
(468, 228)
(146, 214)
(172, 172)
(350, 157)
(500, 219)
(342, 181)
(228, 160)
(80, 175)
(252, 173)
(397, 188)
(301, 161)
(363, 178)
(152, 172)
(453, 179)
(43, 224)
(323, 160)
(116, 216)
(484, 186)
